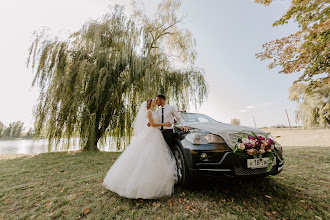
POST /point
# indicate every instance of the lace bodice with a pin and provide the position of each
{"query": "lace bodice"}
(154, 117)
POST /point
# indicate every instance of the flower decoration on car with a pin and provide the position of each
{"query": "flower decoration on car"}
(256, 145)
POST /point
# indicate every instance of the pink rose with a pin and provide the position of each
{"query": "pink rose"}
(270, 141)
(261, 138)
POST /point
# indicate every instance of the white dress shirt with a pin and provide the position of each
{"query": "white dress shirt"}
(169, 113)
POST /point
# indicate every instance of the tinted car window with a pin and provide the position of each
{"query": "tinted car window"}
(196, 118)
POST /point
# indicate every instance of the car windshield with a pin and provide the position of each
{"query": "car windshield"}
(193, 117)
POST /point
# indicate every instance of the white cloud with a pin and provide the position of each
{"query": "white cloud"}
(244, 110)
(248, 108)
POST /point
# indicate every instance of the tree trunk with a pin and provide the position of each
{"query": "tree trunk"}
(91, 144)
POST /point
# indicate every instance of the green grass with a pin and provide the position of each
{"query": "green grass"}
(64, 185)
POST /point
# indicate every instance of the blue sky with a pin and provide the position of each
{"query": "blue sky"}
(228, 34)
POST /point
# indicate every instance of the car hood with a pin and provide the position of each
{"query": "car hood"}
(229, 132)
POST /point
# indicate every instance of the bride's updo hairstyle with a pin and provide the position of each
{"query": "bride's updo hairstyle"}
(149, 103)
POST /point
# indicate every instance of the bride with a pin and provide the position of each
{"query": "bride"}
(147, 168)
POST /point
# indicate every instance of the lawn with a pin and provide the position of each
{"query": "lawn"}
(68, 186)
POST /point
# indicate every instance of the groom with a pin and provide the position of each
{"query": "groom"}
(167, 113)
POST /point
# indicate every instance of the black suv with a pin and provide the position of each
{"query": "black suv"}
(199, 152)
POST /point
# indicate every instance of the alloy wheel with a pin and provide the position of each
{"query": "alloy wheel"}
(178, 165)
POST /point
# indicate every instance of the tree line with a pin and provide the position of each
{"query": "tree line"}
(14, 130)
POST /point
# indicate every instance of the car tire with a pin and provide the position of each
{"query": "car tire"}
(182, 168)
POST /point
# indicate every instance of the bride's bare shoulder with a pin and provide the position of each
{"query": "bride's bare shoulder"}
(149, 112)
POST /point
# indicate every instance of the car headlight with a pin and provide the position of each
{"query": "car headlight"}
(204, 138)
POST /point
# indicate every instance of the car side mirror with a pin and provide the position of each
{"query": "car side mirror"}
(182, 134)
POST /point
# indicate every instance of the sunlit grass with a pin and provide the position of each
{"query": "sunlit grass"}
(68, 186)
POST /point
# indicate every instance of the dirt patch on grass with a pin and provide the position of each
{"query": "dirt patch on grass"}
(301, 137)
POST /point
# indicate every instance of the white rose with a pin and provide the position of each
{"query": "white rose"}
(262, 151)
(253, 142)
(269, 150)
(272, 147)
(250, 151)
(245, 141)
(241, 146)
(265, 143)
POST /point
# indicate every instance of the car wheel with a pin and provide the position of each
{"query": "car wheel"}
(182, 168)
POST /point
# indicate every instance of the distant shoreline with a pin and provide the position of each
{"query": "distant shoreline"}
(15, 138)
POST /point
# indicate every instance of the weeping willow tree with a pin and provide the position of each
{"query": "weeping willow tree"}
(92, 83)
(314, 107)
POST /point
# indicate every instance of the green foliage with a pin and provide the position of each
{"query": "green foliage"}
(8, 131)
(314, 104)
(270, 161)
(2, 128)
(265, 2)
(17, 129)
(307, 50)
(30, 133)
(93, 83)
(163, 35)
(235, 121)
(14, 129)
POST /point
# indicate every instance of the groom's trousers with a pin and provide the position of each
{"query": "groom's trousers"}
(169, 137)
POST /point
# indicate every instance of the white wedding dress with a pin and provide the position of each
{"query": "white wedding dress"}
(146, 169)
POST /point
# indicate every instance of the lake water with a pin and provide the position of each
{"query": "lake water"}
(29, 146)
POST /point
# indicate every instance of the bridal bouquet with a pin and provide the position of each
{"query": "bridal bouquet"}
(257, 145)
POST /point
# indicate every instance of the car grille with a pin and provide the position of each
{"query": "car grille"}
(240, 171)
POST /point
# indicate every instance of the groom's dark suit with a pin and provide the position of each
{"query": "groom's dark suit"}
(169, 137)
(168, 113)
